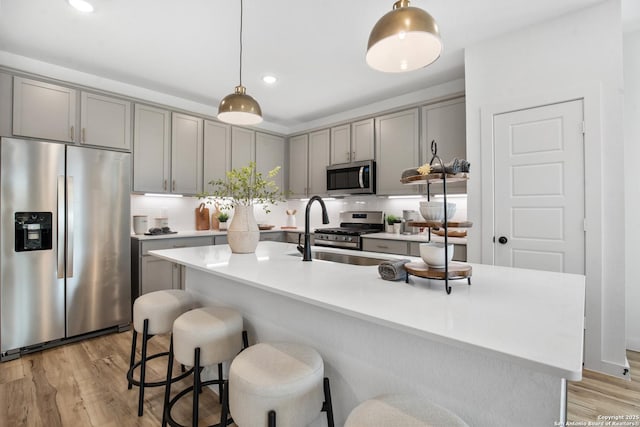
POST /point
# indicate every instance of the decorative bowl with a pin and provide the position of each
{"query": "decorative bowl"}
(433, 254)
(434, 211)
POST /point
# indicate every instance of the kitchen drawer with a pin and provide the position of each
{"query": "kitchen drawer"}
(272, 237)
(221, 239)
(459, 251)
(386, 246)
(180, 242)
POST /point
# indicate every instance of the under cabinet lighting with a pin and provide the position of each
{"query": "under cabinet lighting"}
(405, 197)
(162, 195)
(81, 5)
(326, 199)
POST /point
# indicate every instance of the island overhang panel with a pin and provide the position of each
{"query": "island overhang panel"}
(494, 352)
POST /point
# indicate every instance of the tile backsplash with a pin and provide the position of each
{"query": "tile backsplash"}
(181, 210)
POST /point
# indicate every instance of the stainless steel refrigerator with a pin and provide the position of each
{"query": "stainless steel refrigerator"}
(64, 244)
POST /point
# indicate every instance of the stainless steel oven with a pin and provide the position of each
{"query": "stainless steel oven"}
(352, 178)
(353, 224)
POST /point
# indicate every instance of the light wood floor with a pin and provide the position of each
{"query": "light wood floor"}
(84, 384)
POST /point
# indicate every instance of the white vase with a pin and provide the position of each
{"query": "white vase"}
(243, 234)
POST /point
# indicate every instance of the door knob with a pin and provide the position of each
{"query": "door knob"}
(502, 240)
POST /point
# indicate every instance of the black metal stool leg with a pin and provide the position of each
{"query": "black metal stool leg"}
(220, 379)
(224, 411)
(272, 418)
(132, 359)
(167, 387)
(143, 366)
(196, 386)
(327, 406)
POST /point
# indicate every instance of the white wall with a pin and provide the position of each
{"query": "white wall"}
(632, 190)
(578, 54)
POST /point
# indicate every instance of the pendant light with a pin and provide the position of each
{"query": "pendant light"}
(238, 108)
(405, 39)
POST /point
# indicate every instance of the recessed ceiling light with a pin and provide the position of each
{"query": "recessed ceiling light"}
(269, 79)
(81, 5)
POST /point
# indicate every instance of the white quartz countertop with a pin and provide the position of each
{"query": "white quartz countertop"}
(533, 318)
(195, 233)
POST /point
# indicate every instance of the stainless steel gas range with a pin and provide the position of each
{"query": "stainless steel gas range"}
(353, 224)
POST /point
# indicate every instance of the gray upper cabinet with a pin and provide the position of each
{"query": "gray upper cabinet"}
(43, 110)
(151, 149)
(6, 88)
(270, 154)
(341, 144)
(48, 111)
(105, 121)
(397, 143)
(217, 151)
(186, 154)
(362, 140)
(298, 162)
(243, 147)
(445, 122)
(353, 142)
(319, 159)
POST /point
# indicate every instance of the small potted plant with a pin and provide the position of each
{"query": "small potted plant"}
(391, 221)
(223, 217)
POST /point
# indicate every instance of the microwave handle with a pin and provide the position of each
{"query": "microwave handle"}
(361, 177)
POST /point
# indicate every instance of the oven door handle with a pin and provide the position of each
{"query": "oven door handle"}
(361, 177)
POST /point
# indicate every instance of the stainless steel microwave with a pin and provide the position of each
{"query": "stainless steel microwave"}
(352, 178)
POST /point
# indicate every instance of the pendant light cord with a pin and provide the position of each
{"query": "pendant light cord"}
(241, 8)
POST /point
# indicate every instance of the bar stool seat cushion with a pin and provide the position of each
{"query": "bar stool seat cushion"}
(161, 308)
(401, 411)
(284, 377)
(217, 331)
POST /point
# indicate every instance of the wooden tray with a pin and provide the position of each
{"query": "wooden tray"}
(457, 270)
(454, 224)
(450, 233)
(265, 227)
(434, 178)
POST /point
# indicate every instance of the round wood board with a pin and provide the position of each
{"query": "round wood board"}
(457, 270)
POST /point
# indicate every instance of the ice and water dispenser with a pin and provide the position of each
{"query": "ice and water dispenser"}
(34, 231)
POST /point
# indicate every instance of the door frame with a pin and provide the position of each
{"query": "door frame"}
(590, 94)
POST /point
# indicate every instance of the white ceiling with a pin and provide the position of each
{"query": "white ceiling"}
(316, 48)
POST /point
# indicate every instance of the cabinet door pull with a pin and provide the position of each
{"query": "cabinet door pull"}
(179, 246)
(165, 185)
(84, 135)
(174, 185)
(382, 247)
(72, 132)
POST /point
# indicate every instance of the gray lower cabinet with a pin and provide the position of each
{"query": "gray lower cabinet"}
(275, 236)
(149, 273)
(403, 247)
(399, 247)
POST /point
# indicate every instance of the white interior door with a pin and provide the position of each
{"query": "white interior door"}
(539, 188)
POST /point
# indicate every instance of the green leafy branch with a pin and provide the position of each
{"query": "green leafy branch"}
(245, 186)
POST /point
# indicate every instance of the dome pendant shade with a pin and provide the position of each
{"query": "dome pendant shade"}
(239, 108)
(405, 39)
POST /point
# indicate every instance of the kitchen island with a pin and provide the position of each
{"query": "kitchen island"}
(497, 352)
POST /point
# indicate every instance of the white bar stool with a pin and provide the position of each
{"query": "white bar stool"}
(153, 314)
(401, 411)
(203, 337)
(278, 379)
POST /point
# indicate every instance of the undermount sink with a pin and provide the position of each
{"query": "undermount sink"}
(344, 258)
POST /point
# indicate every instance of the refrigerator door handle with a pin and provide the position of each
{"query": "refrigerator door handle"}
(69, 227)
(61, 221)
